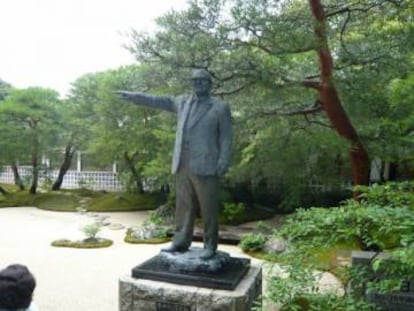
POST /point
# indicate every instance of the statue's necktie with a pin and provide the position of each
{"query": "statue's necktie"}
(193, 111)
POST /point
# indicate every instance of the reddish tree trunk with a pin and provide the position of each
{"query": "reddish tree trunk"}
(331, 102)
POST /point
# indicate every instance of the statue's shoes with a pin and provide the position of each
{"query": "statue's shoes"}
(207, 254)
(174, 248)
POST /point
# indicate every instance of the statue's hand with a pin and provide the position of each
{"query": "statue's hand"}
(221, 168)
(125, 95)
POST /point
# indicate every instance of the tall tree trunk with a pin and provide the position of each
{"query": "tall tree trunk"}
(17, 179)
(129, 160)
(67, 160)
(331, 102)
(35, 167)
(392, 176)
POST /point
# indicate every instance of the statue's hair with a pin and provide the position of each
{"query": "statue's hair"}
(16, 287)
(201, 73)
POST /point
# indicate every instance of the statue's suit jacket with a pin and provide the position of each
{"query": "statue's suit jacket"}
(209, 131)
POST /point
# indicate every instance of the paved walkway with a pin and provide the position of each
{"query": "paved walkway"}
(71, 279)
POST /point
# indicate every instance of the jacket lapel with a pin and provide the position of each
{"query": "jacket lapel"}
(186, 111)
(201, 110)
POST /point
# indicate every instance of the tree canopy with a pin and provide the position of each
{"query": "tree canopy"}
(317, 89)
(313, 61)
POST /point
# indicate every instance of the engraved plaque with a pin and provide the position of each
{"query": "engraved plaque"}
(169, 306)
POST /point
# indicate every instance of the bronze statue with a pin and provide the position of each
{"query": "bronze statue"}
(202, 153)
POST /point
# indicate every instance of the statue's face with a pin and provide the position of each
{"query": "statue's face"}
(201, 86)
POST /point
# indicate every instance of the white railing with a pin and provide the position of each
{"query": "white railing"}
(94, 180)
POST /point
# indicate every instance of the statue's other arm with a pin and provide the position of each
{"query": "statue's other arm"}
(152, 101)
(225, 140)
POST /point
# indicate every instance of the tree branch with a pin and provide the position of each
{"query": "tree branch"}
(316, 107)
(234, 91)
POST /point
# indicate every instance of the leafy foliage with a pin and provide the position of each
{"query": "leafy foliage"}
(232, 212)
(137, 138)
(91, 230)
(391, 194)
(33, 122)
(375, 223)
(372, 226)
(262, 54)
(252, 242)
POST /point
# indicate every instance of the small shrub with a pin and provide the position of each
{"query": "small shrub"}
(91, 230)
(393, 275)
(252, 242)
(233, 212)
(297, 290)
(154, 218)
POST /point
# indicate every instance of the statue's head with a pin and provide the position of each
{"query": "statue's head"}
(201, 82)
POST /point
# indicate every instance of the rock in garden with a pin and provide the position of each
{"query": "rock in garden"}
(275, 245)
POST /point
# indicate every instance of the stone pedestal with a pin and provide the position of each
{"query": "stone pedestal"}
(221, 271)
(147, 295)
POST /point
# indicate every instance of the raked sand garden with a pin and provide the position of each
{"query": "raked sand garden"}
(70, 279)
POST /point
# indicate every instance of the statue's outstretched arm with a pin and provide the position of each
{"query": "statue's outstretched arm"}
(152, 101)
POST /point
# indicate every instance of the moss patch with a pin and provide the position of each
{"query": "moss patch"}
(15, 199)
(87, 243)
(55, 201)
(9, 187)
(116, 202)
(68, 200)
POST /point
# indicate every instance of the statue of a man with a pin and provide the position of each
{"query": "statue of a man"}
(202, 153)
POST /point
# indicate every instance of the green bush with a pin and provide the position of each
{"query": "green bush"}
(391, 194)
(374, 227)
(295, 290)
(378, 223)
(393, 275)
(252, 242)
(232, 212)
(91, 230)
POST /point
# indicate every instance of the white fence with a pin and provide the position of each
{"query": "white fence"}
(94, 180)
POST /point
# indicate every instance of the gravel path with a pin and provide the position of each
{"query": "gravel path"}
(71, 279)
